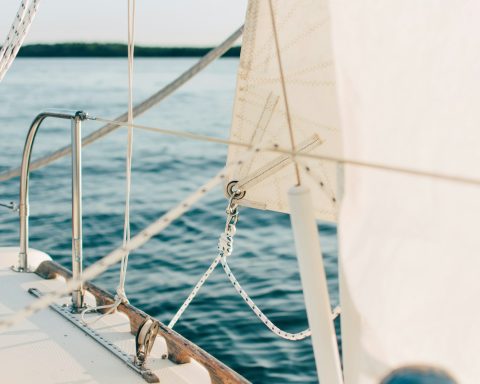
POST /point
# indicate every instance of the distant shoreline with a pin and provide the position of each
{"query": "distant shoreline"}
(107, 50)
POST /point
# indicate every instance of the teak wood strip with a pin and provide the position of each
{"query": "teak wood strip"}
(180, 350)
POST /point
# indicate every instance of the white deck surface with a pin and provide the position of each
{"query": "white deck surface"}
(47, 348)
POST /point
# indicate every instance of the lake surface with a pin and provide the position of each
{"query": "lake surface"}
(165, 170)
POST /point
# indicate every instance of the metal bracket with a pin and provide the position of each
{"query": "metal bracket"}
(130, 361)
(11, 206)
(232, 191)
(145, 339)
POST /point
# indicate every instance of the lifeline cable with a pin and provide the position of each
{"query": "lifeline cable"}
(140, 108)
(276, 149)
(116, 255)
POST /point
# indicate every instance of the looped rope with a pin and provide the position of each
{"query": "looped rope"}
(225, 246)
(225, 249)
(112, 308)
(257, 311)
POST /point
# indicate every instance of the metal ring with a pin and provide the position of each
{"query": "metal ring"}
(233, 193)
(232, 208)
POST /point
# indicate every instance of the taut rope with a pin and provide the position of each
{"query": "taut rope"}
(284, 90)
(138, 109)
(225, 249)
(17, 33)
(305, 155)
(126, 225)
(116, 255)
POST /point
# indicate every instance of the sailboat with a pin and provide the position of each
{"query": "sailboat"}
(361, 115)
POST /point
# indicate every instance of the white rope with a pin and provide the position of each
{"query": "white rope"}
(304, 155)
(194, 292)
(13, 31)
(140, 108)
(112, 308)
(115, 256)
(225, 249)
(126, 225)
(17, 33)
(121, 296)
(257, 311)
(225, 244)
(9, 44)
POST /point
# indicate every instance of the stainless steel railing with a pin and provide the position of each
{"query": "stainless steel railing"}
(76, 118)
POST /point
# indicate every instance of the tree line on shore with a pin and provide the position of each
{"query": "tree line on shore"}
(114, 50)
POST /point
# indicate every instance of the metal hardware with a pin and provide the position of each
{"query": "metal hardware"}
(231, 189)
(144, 340)
(225, 242)
(12, 206)
(234, 196)
(232, 209)
(75, 319)
(76, 118)
(77, 247)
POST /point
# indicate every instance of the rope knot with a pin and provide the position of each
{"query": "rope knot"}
(121, 296)
(225, 242)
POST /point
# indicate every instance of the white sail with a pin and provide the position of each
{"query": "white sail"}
(260, 115)
(409, 86)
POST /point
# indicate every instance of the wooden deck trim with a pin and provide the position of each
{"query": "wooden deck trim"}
(180, 350)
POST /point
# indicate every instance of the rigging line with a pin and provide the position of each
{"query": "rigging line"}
(13, 29)
(145, 105)
(19, 30)
(183, 134)
(225, 242)
(225, 250)
(299, 154)
(128, 182)
(284, 90)
(12, 206)
(115, 256)
(12, 35)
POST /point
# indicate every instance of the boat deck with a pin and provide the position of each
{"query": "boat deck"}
(47, 348)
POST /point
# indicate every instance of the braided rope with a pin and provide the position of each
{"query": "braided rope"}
(115, 256)
(13, 31)
(194, 292)
(225, 249)
(18, 31)
(257, 311)
(225, 246)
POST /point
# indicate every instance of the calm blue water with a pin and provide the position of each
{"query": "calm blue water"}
(165, 170)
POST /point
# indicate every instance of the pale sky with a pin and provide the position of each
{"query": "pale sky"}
(158, 22)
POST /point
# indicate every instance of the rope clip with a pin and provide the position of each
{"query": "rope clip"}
(234, 195)
(225, 242)
(12, 206)
(232, 212)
